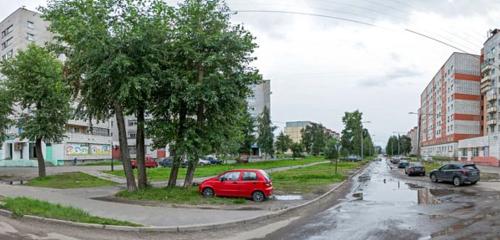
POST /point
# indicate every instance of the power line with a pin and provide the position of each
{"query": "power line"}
(349, 20)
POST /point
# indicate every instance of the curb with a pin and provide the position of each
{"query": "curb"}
(189, 228)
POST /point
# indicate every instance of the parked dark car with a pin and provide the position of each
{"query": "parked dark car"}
(456, 173)
(394, 160)
(403, 164)
(415, 169)
(165, 162)
(213, 160)
(247, 183)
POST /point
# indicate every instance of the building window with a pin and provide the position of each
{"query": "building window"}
(132, 123)
(464, 152)
(475, 152)
(30, 24)
(7, 43)
(8, 55)
(7, 30)
(132, 135)
(30, 37)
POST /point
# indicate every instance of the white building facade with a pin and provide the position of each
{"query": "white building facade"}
(83, 141)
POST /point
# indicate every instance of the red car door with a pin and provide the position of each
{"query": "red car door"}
(230, 184)
(249, 182)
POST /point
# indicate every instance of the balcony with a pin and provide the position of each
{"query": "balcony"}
(485, 84)
(492, 122)
(492, 109)
(491, 96)
(486, 67)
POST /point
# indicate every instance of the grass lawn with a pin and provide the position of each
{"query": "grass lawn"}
(69, 180)
(25, 206)
(302, 180)
(156, 174)
(308, 179)
(101, 163)
(177, 195)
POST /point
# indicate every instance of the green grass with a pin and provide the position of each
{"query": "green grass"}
(158, 174)
(20, 206)
(308, 179)
(69, 180)
(302, 180)
(177, 195)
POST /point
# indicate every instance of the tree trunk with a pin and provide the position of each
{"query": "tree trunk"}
(39, 156)
(172, 179)
(142, 179)
(188, 181)
(200, 117)
(124, 154)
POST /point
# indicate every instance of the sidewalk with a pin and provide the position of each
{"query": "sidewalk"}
(145, 215)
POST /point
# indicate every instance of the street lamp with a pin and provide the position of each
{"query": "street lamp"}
(362, 138)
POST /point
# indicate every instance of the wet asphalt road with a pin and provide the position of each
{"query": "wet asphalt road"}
(388, 209)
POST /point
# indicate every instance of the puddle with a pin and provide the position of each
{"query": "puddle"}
(288, 197)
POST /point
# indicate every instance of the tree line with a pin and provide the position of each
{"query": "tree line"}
(316, 140)
(183, 71)
(398, 145)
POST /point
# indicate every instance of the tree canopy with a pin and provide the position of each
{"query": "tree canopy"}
(35, 84)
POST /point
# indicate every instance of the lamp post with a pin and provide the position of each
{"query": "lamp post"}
(337, 147)
(362, 139)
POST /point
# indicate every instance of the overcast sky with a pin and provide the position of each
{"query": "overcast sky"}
(320, 67)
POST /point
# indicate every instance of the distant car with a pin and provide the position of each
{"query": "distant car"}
(165, 162)
(394, 160)
(353, 158)
(403, 164)
(203, 162)
(415, 169)
(149, 163)
(247, 183)
(213, 160)
(456, 173)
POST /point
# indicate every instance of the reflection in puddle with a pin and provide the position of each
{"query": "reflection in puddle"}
(288, 197)
(425, 197)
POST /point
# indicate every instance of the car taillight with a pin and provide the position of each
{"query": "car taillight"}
(268, 184)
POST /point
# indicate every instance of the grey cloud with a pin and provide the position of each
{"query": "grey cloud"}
(394, 76)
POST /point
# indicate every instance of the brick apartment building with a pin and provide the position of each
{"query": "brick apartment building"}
(451, 106)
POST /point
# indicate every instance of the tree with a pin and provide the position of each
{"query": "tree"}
(5, 112)
(265, 130)
(314, 138)
(405, 144)
(392, 145)
(247, 132)
(112, 49)
(283, 142)
(297, 150)
(351, 134)
(331, 149)
(34, 80)
(204, 78)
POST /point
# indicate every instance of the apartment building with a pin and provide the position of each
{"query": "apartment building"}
(294, 130)
(485, 150)
(413, 135)
(451, 106)
(84, 141)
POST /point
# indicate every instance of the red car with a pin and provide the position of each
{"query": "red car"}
(150, 163)
(247, 183)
